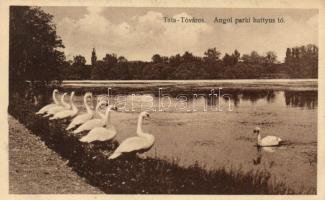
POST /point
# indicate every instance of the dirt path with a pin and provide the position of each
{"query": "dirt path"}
(35, 169)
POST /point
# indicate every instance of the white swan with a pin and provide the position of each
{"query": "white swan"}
(138, 144)
(58, 108)
(67, 113)
(47, 107)
(90, 124)
(267, 141)
(101, 133)
(82, 118)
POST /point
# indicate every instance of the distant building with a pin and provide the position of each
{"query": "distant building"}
(93, 57)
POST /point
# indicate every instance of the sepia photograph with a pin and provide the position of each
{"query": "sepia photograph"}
(163, 100)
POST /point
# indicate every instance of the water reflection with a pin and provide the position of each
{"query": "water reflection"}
(250, 95)
(258, 159)
(302, 99)
(224, 99)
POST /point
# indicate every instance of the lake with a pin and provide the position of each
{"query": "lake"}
(212, 122)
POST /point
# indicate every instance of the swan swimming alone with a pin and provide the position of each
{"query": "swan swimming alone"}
(66, 113)
(44, 109)
(82, 118)
(90, 124)
(106, 133)
(58, 108)
(138, 144)
(267, 141)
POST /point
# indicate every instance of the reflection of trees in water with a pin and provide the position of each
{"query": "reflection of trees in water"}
(235, 95)
(232, 95)
(303, 99)
(255, 95)
(39, 94)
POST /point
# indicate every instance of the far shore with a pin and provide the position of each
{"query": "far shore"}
(254, 84)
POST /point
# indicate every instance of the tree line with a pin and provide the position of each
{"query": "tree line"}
(300, 62)
(36, 54)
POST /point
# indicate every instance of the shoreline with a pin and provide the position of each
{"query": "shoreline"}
(36, 169)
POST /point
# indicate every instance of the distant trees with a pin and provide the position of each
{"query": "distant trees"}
(303, 60)
(254, 58)
(34, 47)
(156, 58)
(210, 66)
(230, 60)
(211, 55)
(77, 69)
(270, 57)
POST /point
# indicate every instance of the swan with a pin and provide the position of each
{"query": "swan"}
(90, 124)
(101, 133)
(82, 118)
(138, 144)
(67, 113)
(267, 141)
(58, 108)
(47, 107)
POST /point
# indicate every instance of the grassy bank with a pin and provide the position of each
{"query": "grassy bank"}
(134, 175)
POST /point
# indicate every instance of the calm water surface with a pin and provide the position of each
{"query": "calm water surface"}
(194, 129)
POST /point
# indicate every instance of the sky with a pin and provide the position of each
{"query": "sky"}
(139, 33)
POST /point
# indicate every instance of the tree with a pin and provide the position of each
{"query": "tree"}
(110, 59)
(79, 60)
(156, 58)
(211, 55)
(303, 61)
(236, 56)
(122, 59)
(34, 47)
(230, 60)
(246, 58)
(270, 57)
(188, 57)
(175, 60)
(255, 58)
(226, 60)
(288, 57)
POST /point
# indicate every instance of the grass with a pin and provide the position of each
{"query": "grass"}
(132, 175)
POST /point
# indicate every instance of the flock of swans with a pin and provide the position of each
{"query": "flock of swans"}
(101, 129)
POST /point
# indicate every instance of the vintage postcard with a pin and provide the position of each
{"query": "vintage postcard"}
(161, 98)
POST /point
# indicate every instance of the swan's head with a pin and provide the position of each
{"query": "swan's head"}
(114, 108)
(99, 105)
(111, 107)
(72, 94)
(88, 94)
(144, 114)
(257, 129)
(55, 91)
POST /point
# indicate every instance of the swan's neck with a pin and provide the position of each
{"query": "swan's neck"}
(108, 117)
(54, 98)
(101, 115)
(97, 110)
(74, 107)
(87, 106)
(139, 127)
(66, 105)
(258, 138)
